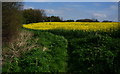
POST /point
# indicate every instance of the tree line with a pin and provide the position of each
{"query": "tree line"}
(39, 15)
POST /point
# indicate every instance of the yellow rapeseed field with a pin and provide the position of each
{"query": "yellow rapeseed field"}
(94, 26)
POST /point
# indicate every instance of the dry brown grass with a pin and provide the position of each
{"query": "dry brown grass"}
(19, 45)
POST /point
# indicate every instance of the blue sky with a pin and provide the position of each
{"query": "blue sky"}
(78, 10)
(71, 0)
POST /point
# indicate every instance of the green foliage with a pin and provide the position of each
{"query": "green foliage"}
(87, 20)
(35, 61)
(53, 19)
(51, 57)
(68, 20)
(92, 52)
(85, 52)
(56, 46)
(33, 15)
(11, 66)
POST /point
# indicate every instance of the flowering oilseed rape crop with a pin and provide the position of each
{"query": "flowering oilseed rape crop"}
(87, 26)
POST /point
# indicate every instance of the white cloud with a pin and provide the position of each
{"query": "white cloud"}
(54, 12)
(28, 7)
(114, 0)
(99, 15)
(114, 7)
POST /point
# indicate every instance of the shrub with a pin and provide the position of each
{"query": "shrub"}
(51, 57)
(92, 55)
(92, 52)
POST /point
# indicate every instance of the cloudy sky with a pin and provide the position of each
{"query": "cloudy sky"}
(71, 0)
(78, 10)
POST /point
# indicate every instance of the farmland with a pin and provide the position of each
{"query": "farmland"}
(84, 47)
(81, 37)
(73, 26)
(91, 47)
(66, 47)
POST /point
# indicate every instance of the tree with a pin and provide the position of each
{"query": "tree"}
(84, 20)
(53, 19)
(106, 21)
(69, 21)
(87, 20)
(11, 20)
(33, 15)
(95, 20)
